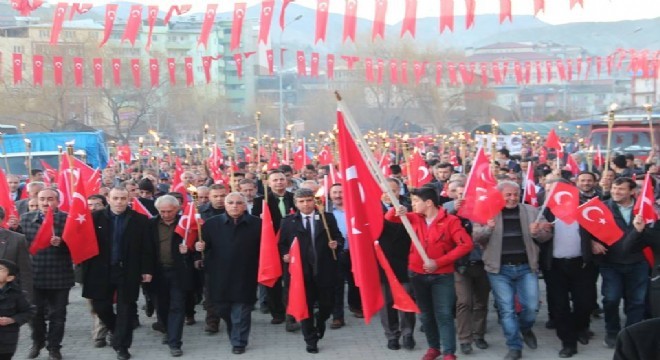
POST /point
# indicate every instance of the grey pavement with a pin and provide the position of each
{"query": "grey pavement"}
(354, 341)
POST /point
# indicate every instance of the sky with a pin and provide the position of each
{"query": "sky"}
(556, 11)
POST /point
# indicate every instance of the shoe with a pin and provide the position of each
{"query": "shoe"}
(393, 344)
(567, 352)
(34, 351)
(122, 354)
(176, 352)
(149, 309)
(101, 343)
(190, 320)
(583, 337)
(158, 326)
(596, 313)
(408, 342)
(449, 357)
(238, 350)
(466, 348)
(312, 348)
(481, 344)
(530, 339)
(277, 321)
(292, 326)
(550, 324)
(337, 323)
(136, 323)
(610, 341)
(431, 354)
(54, 354)
(357, 313)
(513, 355)
(211, 328)
(320, 329)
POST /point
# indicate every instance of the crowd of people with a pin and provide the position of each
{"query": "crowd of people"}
(464, 261)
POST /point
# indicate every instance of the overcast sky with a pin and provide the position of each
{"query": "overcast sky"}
(557, 11)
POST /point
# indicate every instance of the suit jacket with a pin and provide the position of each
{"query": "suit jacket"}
(232, 257)
(639, 342)
(13, 246)
(326, 266)
(22, 206)
(137, 258)
(52, 267)
(273, 205)
(183, 263)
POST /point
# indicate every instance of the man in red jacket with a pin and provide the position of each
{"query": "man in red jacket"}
(444, 240)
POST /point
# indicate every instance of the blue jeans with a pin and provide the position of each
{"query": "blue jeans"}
(436, 298)
(629, 281)
(238, 317)
(515, 280)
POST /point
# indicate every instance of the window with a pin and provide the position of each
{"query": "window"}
(69, 35)
(44, 33)
(19, 49)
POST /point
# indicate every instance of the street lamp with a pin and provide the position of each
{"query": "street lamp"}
(282, 120)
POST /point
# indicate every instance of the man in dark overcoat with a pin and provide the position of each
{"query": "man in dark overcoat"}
(231, 247)
(125, 259)
(319, 263)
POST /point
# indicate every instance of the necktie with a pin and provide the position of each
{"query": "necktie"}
(312, 248)
(281, 206)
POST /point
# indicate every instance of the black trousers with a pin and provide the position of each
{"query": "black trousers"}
(6, 356)
(324, 296)
(51, 304)
(570, 280)
(120, 323)
(275, 300)
(345, 276)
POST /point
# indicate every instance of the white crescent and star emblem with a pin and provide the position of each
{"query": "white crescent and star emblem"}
(323, 6)
(78, 66)
(239, 13)
(189, 65)
(97, 66)
(301, 58)
(586, 211)
(37, 63)
(154, 66)
(210, 14)
(267, 10)
(557, 197)
(58, 64)
(17, 62)
(482, 197)
(111, 15)
(136, 66)
(135, 13)
(424, 171)
(351, 4)
(152, 13)
(116, 66)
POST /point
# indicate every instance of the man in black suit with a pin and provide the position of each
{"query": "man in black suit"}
(280, 204)
(125, 259)
(13, 246)
(318, 259)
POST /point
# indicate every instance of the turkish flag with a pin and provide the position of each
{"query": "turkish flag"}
(188, 225)
(139, 207)
(470, 6)
(315, 64)
(97, 64)
(321, 20)
(569, 69)
(135, 69)
(530, 197)
(645, 201)
(483, 68)
(451, 70)
(78, 71)
(539, 5)
(216, 159)
(588, 69)
(44, 234)
(93, 183)
(419, 171)
(394, 71)
(206, 64)
(124, 154)
(188, 63)
(58, 19)
(560, 70)
(133, 24)
(274, 161)
(563, 200)
(110, 16)
(505, 11)
(238, 59)
(300, 158)
(446, 15)
(599, 65)
(497, 73)
(578, 67)
(539, 74)
(171, 68)
(379, 20)
(453, 160)
(17, 61)
(528, 71)
(603, 227)
(517, 70)
(598, 157)
(270, 267)
(325, 156)
(505, 68)
(369, 70)
(419, 68)
(361, 191)
(384, 164)
(116, 71)
(478, 187)
(175, 9)
(58, 70)
(152, 16)
(154, 72)
(575, 2)
(465, 77)
(350, 20)
(438, 73)
(302, 68)
(49, 171)
(25, 7)
(350, 61)
(285, 3)
(267, 7)
(548, 70)
(404, 71)
(78, 8)
(609, 63)
(330, 62)
(79, 234)
(552, 140)
(572, 165)
(380, 68)
(297, 305)
(38, 70)
(207, 25)
(402, 301)
(5, 201)
(410, 18)
(269, 59)
(237, 26)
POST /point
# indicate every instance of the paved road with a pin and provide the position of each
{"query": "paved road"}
(356, 341)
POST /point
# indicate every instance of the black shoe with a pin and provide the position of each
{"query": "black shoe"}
(466, 348)
(337, 323)
(159, 326)
(54, 354)
(596, 313)
(583, 337)
(320, 329)
(550, 324)
(190, 320)
(610, 341)
(34, 351)
(238, 350)
(136, 323)
(211, 328)
(312, 348)
(292, 325)
(122, 354)
(101, 343)
(393, 344)
(567, 352)
(149, 309)
(277, 321)
(530, 339)
(481, 344)
(408, 342)
(513, 355)
(176, 352)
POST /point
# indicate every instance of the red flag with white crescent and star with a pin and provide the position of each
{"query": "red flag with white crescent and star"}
(321, 20)
(505, 11)
(152, 16)
(97, 64)
(238, 60)
(188, 65)
(270, 267)
(563, 200)
(44, 234)
(110, 17)
(267, 7)
(297, 304)
(481, 202)
(285, 3)
(530, 197)
(175, 9)
(446, 15)
(300, 60)
(409, 24)
(58, 70)
(133, 24)
(135, 69)
(17, 61)
(154, 72)
(5, 201)
(330, 63)
(78, 8)
(401, 298)
(470, 7)
(269, 60)
(237, 26)
(171, 69)
(139, 207)
(38, 70)
(350, 20)
(78, 71)
(207, 25)
(604, 227)
(420, 173)
(79, 234)
(188, 226)
(116, 71)
(58, 20)
(379, 20)
(645, 200)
